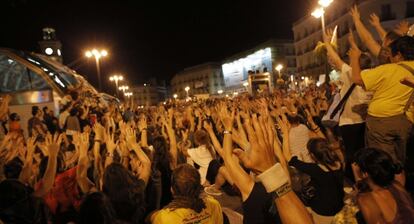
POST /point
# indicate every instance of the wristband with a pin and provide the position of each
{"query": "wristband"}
(284, 189)
(274, 178)
(227, 132)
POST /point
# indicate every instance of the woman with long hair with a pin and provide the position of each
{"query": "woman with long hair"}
(126, 193)
(327, 179)
(385, 200)
(188, 204)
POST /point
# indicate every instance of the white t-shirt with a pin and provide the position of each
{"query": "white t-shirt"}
(358, 97)
(62, 118)
(202, 157)
(299, 137)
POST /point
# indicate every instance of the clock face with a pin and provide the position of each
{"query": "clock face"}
(49, 51)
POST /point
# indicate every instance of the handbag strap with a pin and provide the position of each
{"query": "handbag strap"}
(411, 99)
(343, 100)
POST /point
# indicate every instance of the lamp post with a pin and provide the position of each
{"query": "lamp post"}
(97, 54)
(123, 88)
(186, 90)
(279, 68)
(320, 12)
(116, 79)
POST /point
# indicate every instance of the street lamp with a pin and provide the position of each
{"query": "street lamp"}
(186, 90)
(123, 88)
(320, 12)
(98, 55)
(116, 79)
(175, 96)
(220, 92)
(279, 68)
(128, 94)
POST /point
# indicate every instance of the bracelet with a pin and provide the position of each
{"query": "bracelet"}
(227, 132)
(274, 178)
(284, 189)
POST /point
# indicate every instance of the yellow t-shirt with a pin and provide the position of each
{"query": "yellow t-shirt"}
(212, 214)
(390, 96)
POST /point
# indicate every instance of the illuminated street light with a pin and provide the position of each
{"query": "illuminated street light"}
(186, 90)
(116, 79)
(175, 96)
(123, 88)
(220, 92)
(279, 68)
(97, 55)
(325, 3)
(128, 94)
(320, 12)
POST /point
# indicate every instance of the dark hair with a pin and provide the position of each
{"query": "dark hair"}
(125, 191)
(378, 164)
(44, 109)
(392, 36)
(35, 110)
(17, 205)
(201, 137)
(365, 61)
(13, 168)
(186, 187)
(162, 156)
(14, 117)
(73, 112)
(294, 119)
(322, 152)
(45, 160)
(97, 208)
(405, 46)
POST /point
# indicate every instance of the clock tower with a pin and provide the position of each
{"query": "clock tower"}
(50, 45)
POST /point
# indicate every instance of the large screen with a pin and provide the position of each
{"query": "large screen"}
(237, 71)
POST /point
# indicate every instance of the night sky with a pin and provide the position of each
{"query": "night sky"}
(148, 38)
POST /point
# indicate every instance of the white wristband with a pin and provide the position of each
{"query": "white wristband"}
(273, 178)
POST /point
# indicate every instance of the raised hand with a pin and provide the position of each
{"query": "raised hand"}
(402, 28)
(110, 143)
(355, 13)
(374, 20)
(142, 123)
(99, 131)
(53, 144)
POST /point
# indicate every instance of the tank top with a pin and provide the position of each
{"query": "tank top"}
(405, 206)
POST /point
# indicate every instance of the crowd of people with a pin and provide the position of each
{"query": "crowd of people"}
(274, 152)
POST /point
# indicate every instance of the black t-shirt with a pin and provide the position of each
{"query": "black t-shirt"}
(259, 207)
(329, 187)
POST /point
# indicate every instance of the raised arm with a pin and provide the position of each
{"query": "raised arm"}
(354, 56)
(213, 137)
(81, 170)
(142, 126)
(332, 54)
(171, 136)
(145, 171)
(27, 168)
(364, 34)
(376, 23)
(242, 180)
(53, 145)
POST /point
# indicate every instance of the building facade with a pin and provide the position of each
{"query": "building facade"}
(149, 94)
(260, 59)
(202, 79)
(307, 31)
